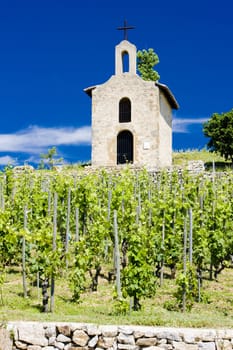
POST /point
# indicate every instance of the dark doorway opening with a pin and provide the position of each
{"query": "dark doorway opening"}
(124, 147)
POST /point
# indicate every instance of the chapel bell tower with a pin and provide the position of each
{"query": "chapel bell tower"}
(131, 117)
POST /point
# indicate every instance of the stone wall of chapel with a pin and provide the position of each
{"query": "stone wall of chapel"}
(144, 125)
(165, 132)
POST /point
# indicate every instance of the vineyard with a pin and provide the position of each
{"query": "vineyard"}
(132, 229)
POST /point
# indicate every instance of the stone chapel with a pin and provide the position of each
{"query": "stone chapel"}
(131, 117)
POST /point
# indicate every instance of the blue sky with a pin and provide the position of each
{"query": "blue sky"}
(52, 49)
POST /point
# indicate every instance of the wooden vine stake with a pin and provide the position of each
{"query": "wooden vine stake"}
(109, 204)
(76, 224)
(184, 266)
(2, 201)
(162, 260)
(24, 253)
(54, 249)
(117, 257)
(190, 236)
(67, 228)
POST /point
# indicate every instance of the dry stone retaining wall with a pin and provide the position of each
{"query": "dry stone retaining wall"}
(74, 336)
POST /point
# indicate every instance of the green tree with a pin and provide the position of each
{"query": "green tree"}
(146, 60)
(220, 130)
(49, 159)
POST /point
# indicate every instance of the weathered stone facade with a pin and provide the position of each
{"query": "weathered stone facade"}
(151, 116)
(74, 336)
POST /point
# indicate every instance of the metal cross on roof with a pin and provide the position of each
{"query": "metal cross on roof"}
(125, 28)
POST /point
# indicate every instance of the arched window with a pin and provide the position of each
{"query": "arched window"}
(124, 110)
(124, 147)
(125, 61)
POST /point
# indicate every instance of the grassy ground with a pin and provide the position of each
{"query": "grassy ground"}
(181, 158)
(97, 307)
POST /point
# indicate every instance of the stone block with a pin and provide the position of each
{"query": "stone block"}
(109, 331)
(5, 339)
(106, 342)
(206, 346)
(125, 330)
(208, 336)
(59, 345)
(93, 330)
(80, 338)
(184, 346)
(224, 344)
(92, 343)
(32, 333)
(169, 335)
(65, 330)
(50, 331)
(126, 339)
(78, 326)
(153, 348)
(20, 345)
(146, 342)
(63, 339)
(127, 347)
(52, 340)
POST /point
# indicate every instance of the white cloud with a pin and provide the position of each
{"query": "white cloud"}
(7, 160)
(181, 125)
(36, 139)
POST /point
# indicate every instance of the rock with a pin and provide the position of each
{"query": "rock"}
(206, 346)
(93, 330)
(34, 347)
(150, 333)
(23, 168)
(191, 337)
(50, 331)
(146, 341)
(184, 346)
(196, 166)
(223, 344)
(20, 345)
(109, 331)
(80, 338)
(72, 347)
(126, 339)
(138, 333)
(224, 334)
(127, 347)
(78, 326)
(106, 342)
(92, 343)
(208, 336)
(165, 347)
(52, 340)
(153, 348)
(59, 345)
(125, 330)
(169, 335)
(65, 330)
(32, 333)
(5, 339)
(63, 339)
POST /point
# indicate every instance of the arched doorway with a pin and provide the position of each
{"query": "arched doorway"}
(124, 147)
